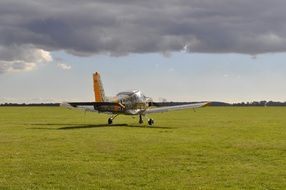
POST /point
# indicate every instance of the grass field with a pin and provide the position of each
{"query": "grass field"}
(213, 148)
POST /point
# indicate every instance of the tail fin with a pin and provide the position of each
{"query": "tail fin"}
(98, 88)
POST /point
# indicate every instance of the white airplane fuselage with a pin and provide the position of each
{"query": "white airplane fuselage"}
(133, 102)
(128, 102)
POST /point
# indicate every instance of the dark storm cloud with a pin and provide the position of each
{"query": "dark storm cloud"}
(120, 27)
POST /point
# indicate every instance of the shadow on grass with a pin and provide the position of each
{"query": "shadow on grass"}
(87, 126)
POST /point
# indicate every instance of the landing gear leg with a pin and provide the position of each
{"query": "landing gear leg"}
(110, 120)
(140, 119)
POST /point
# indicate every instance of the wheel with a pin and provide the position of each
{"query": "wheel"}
(150, 121)
(109, 121)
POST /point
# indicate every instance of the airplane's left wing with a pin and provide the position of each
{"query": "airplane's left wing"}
(174, 107)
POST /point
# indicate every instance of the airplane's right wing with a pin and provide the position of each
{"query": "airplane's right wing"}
(161, 108)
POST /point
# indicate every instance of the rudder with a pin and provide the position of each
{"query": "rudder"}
(98, 88)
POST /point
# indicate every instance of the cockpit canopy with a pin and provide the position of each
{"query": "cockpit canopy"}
(129, 93)
(133, 96)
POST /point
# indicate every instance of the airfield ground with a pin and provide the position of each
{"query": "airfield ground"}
(213, 148)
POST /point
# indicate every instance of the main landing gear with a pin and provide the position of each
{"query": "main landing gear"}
(110, 120)
(141, 121)
(150, 121)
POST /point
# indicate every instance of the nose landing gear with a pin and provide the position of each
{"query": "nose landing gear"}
(150, 121)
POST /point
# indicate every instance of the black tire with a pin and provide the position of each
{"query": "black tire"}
(109, 121)
(150, 121)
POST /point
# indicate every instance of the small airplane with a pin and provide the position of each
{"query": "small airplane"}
(132, 102)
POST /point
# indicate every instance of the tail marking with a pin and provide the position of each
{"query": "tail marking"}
(98, 88)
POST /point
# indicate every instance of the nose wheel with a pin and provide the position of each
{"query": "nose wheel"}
(150, 121)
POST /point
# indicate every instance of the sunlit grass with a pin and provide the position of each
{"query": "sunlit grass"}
(213, 148)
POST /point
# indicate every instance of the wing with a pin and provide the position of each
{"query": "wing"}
(174, 107)
(91, 106)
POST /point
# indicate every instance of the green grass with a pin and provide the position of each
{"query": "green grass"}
(213, 148)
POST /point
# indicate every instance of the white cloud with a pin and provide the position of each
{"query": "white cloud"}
(63, 66)
(22, 58)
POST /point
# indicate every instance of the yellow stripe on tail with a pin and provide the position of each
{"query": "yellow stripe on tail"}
(98, 88)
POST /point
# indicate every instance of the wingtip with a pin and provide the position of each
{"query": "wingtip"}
(207, 104)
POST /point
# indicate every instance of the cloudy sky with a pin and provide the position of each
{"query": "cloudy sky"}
(183, 50)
